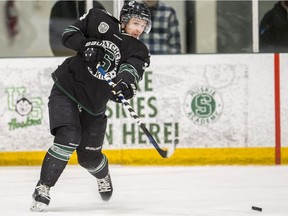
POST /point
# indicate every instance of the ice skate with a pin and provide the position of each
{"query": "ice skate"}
(105, 187)
(41, 197)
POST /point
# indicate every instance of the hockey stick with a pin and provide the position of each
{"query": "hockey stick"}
(127, 106)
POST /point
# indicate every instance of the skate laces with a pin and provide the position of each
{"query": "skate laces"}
(43, 190)
(104, 184)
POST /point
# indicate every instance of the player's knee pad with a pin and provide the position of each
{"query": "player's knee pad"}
(67, 139)
(96, 163)
(68, 135)
(93, 135)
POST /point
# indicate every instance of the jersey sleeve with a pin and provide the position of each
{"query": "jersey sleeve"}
(74, 35)
(137, 62)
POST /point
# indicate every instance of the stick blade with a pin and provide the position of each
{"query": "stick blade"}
(171, 150)
(167, 153)
(163, 153)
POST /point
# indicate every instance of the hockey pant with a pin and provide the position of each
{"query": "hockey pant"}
(73, 130)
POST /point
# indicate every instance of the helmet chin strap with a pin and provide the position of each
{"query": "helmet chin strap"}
(123, 26)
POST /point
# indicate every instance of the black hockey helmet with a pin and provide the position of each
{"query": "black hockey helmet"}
(138, 10)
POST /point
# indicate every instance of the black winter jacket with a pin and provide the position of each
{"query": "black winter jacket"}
(273, 35)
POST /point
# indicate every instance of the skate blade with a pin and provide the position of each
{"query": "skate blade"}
(38, 206)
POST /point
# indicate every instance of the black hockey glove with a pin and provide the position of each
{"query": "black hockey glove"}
(92, 53)
(125, 85)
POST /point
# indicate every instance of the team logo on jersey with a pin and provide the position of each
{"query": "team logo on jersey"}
(203, 105)
(103, 27)
(111, 60)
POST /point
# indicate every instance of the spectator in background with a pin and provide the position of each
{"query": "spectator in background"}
(11, 16)
(164, 37)
(62, 14)
(273, 35)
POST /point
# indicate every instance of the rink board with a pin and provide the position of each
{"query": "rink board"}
(181, 157)
(216, 107)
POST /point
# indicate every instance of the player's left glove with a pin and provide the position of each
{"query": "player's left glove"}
(125, 85)
(92, 53)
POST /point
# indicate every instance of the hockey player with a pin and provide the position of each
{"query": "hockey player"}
(77, 102)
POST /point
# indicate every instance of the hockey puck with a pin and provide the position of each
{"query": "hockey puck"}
(256, 208)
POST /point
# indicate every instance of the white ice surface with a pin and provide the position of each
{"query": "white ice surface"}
(166, 191)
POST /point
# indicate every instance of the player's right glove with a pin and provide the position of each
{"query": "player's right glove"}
(92, 53)
(125, 85)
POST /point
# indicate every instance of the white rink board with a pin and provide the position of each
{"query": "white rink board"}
(28, 78)
(229, 100)
(284, 98)
(245, 85)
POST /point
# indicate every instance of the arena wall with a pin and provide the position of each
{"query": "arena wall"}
(217, 109)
